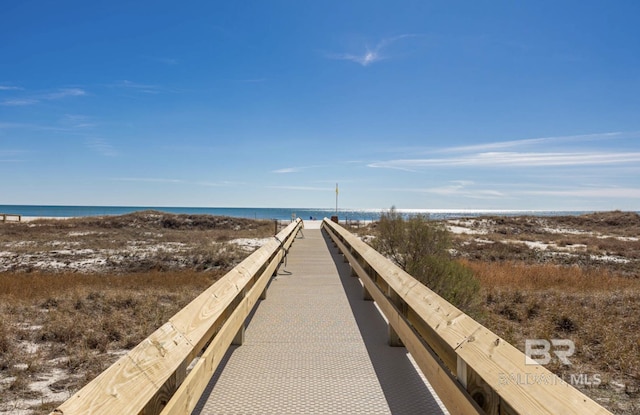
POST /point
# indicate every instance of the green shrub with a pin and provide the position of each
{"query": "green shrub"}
(421, 248)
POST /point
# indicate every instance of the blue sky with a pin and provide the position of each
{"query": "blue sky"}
(416, 104)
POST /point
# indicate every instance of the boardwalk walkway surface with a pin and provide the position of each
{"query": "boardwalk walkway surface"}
(315, 347)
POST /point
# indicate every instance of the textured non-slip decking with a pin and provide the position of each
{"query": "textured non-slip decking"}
(315, 347)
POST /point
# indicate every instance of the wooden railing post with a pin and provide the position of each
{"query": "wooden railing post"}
(394, 338)
(366, 295)
(238, 340)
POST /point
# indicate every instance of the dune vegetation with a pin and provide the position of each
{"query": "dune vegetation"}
(78, 293)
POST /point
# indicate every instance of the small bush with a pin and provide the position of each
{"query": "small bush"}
(421, 248)
(565, 325)
(450, 279)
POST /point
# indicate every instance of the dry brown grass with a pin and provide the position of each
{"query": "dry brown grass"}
(605, 240)
(81, 323)
(520, 275)
(66, 324)
(597, 309)
(140, 241)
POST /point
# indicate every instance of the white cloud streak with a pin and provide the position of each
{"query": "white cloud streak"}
(145, 88)
(32, 99)
(64, 93)
(534, 152)
(463, 188)
(287, 170)
(369, 55)
(75, 121)
(500, 145)
(18, 102)
(513, 159)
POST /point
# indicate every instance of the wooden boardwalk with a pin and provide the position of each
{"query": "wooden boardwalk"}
(314, 346)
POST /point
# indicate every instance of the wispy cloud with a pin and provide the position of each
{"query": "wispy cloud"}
(35, 98)
(101, 146)
(64, 93)
(17, 125)
(514, 159)
(9, 88)
(287, 170)
(370, 55)
(464, 188)
(18, 102)
(145, 88)
(63, 127)
(556, 151)
(76, 121)
(499, 145)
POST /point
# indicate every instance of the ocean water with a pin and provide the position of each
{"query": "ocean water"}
(265, 213)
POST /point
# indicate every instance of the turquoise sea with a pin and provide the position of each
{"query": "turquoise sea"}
(263, 213)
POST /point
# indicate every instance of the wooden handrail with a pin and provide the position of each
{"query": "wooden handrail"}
(152, 378)
(472, 369)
